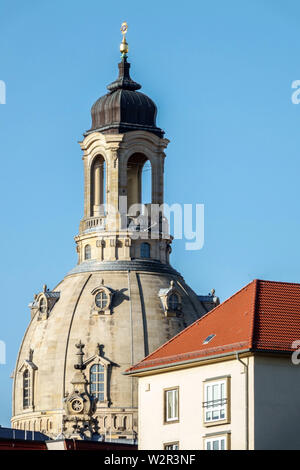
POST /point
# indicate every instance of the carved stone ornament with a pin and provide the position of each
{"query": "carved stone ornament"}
(79, 405)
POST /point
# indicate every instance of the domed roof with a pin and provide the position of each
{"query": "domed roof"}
(136, 325)
(124, 109)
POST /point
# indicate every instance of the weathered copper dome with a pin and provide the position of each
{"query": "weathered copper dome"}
(124, 109)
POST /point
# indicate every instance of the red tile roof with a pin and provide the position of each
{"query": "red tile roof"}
(263, 316)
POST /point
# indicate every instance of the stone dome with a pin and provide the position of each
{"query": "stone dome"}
(136, 325)
(124, 109)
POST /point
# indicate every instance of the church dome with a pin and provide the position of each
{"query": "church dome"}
(134, 322)
(124, 109)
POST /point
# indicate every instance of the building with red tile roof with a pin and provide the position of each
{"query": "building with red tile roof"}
(243, 348)
(263, 316)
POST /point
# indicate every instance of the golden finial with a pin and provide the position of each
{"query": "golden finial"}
(124, 45)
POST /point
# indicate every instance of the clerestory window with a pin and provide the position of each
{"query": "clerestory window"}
(87, 252)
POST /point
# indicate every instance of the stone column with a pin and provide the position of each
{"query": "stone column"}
(113, 189)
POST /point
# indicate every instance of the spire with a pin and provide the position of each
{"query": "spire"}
(124, 109)
(124, 81)
(124, 45)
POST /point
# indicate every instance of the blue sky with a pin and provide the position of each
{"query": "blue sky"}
(220, 73)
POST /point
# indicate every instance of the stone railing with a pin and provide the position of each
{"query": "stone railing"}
(94, 222)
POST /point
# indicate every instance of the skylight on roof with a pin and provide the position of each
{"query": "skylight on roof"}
(208, 339)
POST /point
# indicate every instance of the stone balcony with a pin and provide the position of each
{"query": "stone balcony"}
(91, 223)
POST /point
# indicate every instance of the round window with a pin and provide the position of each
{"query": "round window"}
(101, 300)
(173, 302)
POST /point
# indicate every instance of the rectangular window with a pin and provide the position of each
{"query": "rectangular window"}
(215, 401)
(216, 443)
(171, 405)
(97, 381)
(26, 389)
(171, 446)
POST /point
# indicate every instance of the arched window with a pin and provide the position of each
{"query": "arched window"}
(146, 190)
(139, 180)
(145, 250)
(98, 183)
(173, 302)
(43, 305)
(97, 382)
(26, 389)
(87, 252)
(101, 299)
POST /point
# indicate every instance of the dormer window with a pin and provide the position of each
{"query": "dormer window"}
(171, 300)
(43, 303)
(102, 301)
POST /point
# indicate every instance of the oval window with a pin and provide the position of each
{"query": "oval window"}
(101, 300)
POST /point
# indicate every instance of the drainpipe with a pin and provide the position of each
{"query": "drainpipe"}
(246, 371)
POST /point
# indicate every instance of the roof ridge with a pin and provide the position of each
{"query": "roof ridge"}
(196, 322)
(279, 282)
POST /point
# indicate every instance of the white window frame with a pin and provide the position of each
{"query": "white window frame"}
(218, 439)
(215, 405)
(175, 412)
(171, 446)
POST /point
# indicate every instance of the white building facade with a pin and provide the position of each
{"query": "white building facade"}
(222, 405)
